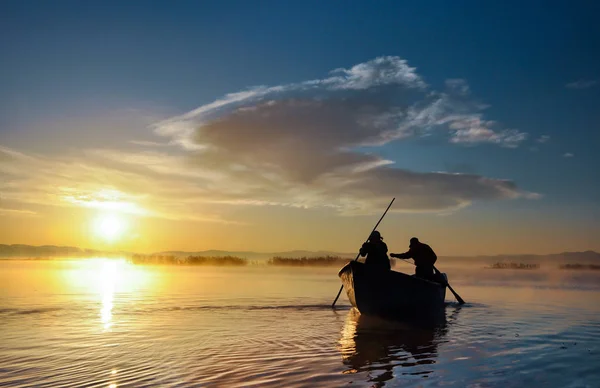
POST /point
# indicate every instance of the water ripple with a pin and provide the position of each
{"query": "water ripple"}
(205, 336)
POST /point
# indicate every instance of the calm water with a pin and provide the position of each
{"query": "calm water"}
(101, 323)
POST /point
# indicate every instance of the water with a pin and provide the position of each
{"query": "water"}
(102, 323)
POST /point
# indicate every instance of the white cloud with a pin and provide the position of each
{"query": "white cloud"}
(380, 71)
(582, 84)
(568, 155)
(371, 103)
(473, 130)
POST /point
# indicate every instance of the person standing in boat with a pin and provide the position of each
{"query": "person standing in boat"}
(376, 251)
(423, 256)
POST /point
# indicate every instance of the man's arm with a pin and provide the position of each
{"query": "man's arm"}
(364, 249)
(405, 255)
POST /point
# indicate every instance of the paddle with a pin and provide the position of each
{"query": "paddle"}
(357, 256)
(458, 298)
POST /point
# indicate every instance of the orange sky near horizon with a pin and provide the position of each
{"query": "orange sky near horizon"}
(269, 228)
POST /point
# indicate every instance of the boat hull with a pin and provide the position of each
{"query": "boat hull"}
(392, 294)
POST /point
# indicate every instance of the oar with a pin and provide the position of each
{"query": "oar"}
(458, 298)
(358, 255)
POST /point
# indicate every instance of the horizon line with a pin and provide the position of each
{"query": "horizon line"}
(282, 251)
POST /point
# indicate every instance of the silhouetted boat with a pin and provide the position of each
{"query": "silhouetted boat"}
(392, 294)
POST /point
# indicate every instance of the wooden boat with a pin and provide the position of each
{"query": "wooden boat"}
(393, 294)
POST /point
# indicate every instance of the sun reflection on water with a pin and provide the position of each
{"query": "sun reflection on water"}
(109, 279)
(347, 345)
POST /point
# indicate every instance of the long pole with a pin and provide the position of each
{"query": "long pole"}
(358, 255)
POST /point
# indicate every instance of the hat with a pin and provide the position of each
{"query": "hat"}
(375, 235)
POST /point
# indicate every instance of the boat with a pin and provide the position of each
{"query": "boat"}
(392, 294)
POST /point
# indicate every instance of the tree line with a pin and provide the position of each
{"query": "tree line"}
(321, 261)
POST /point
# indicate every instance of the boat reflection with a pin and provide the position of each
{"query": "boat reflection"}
(384, 349)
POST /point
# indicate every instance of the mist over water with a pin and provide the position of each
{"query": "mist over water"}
(107, 323)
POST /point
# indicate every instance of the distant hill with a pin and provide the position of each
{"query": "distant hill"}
(586, 257)
(45, 251)
(258, 255)
(21, 250)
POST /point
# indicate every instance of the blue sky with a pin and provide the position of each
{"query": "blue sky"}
(535, 65)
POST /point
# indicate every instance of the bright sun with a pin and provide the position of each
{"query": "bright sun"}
(109, 227)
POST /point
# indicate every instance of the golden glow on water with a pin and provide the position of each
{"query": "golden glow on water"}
(347, 344)
(106, 278)
(274, 327)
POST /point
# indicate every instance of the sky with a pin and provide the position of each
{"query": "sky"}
(271, 126)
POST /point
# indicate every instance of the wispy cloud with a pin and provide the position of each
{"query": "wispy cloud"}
(17, 212)
(147, 143)
(568, 155)
(582, 84)
(459, 85)
(91, 181)
(473, 130)
(543, 139)
(383, 100)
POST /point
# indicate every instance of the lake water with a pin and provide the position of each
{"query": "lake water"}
(103, 323)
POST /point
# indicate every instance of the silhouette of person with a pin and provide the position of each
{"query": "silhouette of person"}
(423, 256)
(376, 251)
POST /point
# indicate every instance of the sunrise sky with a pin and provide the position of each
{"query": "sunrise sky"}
(279, 125)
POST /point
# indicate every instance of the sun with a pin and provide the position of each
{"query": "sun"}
(110, 227)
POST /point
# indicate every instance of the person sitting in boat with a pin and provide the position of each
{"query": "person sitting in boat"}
(423, 256)
(376, 251)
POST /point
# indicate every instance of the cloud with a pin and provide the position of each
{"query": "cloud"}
(147, 143)
(311, 144)
(91, 181)
(543, 139)
(380, 71)
(473, 130)
(459, 85)
(386, 98)
(582, 84)
(17, 212)
(568, 155)
(303, 143)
